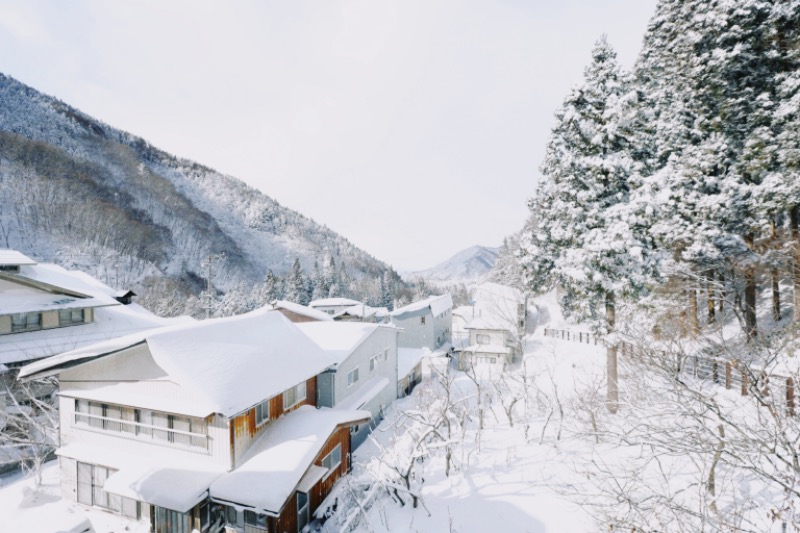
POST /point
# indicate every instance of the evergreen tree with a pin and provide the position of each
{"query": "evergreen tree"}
(271, 290)
(588, 237)
(296, 285)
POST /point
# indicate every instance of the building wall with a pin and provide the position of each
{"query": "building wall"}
(378, 343)
(244, 430)
(497, 337)
(415, 334)
(436, 331)
(217, 451)
(296, 317)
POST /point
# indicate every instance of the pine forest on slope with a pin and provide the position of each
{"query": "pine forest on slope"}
(80, 193)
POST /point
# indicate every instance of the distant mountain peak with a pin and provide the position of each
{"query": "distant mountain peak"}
(469, 264)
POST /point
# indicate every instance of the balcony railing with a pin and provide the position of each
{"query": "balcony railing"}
(162, 436)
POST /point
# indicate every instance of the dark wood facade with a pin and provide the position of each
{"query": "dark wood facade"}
(244, 429)
(287, 521)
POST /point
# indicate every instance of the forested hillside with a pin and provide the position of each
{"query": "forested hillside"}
(78, 192)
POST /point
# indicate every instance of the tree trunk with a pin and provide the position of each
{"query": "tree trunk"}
(776, 276)
(750, 321)
(794, 217)
(723, 293)
(694, 324)
(711, 296)
(612, 395)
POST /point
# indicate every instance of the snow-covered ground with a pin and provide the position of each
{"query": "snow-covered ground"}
(548, 459)
(24, 507)
(503, 478)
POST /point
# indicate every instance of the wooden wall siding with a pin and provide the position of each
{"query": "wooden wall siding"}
(243, 427)
(296, 317)
(323, 488)
(287, 521)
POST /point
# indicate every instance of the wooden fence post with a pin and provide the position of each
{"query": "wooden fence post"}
(744, 381)
(790, 396)
(727, 375)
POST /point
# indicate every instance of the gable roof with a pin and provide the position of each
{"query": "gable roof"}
(14, 258)
(338, 339)
(333, 302)
(302, 310)
(223, 365)
(435, 305)
(275, 464)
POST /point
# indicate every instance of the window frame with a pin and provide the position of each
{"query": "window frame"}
(351, 380)
(297, 398)
(332, 467)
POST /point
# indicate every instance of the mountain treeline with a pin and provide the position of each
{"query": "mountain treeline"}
(79, 193)
(684, 172)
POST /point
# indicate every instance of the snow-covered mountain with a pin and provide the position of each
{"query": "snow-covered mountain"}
(467, 265)
(77, 192)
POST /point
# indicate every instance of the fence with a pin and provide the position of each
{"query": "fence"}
(574, 336)
(730, 374)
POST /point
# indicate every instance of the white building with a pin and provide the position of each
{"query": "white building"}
(492, 328)
(364, 373)
(333, 306)
(210, 426)
(425, 324)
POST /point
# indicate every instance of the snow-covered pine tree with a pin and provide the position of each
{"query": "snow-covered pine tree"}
(319, 288)
(272, 288)
(296, 285)
(711, 70)
(586, 238)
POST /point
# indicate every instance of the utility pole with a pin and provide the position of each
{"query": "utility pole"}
(208, 264)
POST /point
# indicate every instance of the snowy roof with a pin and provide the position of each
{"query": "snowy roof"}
(333, 302)
(42, 287)
(278, 460)
(363, 311)
(338, 339)
(364, 394)
(14, 258)
(491, 323)
(436, 304)
(177, 483)
(495, 307)
(408, 358)
(488, 348)
(302, 310)
(222, 365)
(109, 322)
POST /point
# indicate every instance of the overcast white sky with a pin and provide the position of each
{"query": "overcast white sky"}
(413, 128)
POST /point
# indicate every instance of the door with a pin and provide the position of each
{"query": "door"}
(302, 511)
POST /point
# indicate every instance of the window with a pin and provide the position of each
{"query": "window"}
(333, 459)
(373, 361)
(172, 521)
(255, 519)
(386, 354)
(354, 429)
(233, 517)
(294, 395)
(262, 412)
(352, 377)
(26, 321)
(483, 339)
(422, 320)
(67, 317)
(205, 516)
